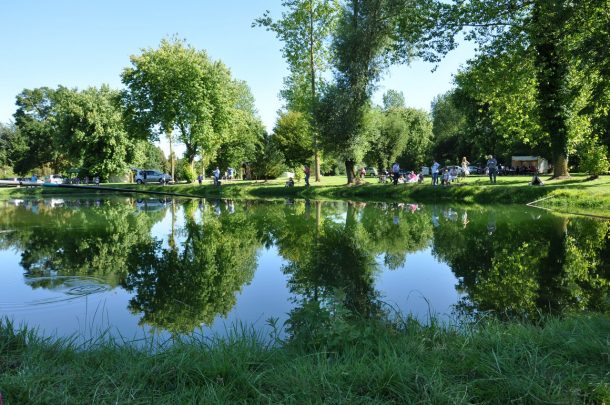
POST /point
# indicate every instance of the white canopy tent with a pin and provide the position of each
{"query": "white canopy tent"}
(541, 164)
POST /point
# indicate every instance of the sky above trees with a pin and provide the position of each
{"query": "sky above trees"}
(82, 44)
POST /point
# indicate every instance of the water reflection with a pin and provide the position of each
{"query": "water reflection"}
(524, 264)
(188, 284)
(511, 261)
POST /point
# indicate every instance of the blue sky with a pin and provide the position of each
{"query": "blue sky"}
(88, 43)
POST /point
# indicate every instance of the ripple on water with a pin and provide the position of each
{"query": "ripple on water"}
(59, 291)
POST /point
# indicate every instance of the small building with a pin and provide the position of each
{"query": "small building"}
(527, 162)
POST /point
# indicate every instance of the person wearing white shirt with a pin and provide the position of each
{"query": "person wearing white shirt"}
(396, 172)
(435, 167)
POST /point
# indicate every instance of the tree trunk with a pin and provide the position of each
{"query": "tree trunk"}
(171, 154)
(552, 72)
(349, 170)
(317, 161)
(189, 154)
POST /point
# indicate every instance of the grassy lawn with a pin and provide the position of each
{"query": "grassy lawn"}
(577, 194)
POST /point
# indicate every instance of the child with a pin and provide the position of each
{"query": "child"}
(445, 181)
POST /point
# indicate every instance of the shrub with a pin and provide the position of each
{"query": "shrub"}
(594, 160)
(188, 173)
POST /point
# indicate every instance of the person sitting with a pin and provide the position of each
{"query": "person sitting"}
(453, 174)
(412, 177)
(445, 178)
(536, 181)
(290, 182)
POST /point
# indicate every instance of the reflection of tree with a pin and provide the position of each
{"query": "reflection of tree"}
(338, 270)
(517, 266)
(78, 239)
(340, 260)
(396, 232)
(332, 249)
(585, 279)
(182, 287)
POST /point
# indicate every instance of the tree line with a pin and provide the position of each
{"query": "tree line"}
(537, 85)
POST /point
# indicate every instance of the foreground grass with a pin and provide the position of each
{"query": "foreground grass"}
(577, 194)
(564, 361)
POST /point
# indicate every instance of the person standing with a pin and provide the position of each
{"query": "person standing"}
(395, 172)
(307, 172)
(200, 179)
(435, 167)
(216, 174)
(492, 167)
(465, 164)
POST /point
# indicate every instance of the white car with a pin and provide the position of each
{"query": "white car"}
(152, 176)
(55, 179)
(370, 171)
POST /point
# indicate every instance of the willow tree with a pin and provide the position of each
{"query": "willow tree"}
(178, 89)
(360, 47)
(305, 30)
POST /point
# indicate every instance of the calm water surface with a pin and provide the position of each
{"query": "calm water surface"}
(159, 267)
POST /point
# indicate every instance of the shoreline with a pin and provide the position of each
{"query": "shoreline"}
(560, 360)
(576, 195)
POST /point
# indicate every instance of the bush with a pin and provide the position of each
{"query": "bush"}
(188, 173)
(299, 174)
(594, 160)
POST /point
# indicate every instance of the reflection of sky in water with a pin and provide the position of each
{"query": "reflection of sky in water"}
(420, 286)
(264, 297)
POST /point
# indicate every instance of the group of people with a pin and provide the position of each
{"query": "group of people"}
(398, 177)
(446, 175)
(216, 176)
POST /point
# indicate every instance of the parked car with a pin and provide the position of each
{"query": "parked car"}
(371, 171)
(425, 170)
(475, 169)
(152, 176)
(152, 204)
(55, 179)
(457, 168)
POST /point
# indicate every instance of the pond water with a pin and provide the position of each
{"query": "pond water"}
(133, 267)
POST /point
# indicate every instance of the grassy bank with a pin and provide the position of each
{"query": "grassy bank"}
(564, 361)
(577, 194)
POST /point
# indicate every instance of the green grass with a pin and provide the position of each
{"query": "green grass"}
(563, 361)
(577, 194)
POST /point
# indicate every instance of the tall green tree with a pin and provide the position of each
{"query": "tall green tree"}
(245, 133)
(178, 89)
(90, 127)
(305, 30)
(269, 159)
(405, 134)
(361, 44)
(590, 49)
(546, 31)
(36, 120)
(12, 147)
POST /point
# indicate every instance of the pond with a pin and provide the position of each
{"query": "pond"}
(141, 267)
